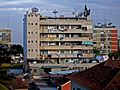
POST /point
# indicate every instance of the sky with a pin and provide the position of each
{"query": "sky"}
(12, 12)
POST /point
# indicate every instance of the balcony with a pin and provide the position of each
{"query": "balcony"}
(66, 39)
(64, 47)
(65, 31)
(70, 56)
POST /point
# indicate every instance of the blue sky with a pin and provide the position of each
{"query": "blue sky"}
(12, 12)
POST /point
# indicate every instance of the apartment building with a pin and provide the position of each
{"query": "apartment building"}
(5, 36)
(105, 38)
(119, 43)
(58, 39)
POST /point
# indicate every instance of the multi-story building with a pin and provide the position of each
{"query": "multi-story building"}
(105, 38)
(5, 36)
(119, 43)
(58, 39)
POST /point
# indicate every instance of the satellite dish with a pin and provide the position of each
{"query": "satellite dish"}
(109, 23)
(55, 12)
(35, 9)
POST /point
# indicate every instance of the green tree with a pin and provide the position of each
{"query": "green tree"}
(116, 55)
(96, 52)
(16, 49)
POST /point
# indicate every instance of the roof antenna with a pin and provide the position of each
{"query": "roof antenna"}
(86, 11)
(105, 18)
(74, 12)
(55, 12)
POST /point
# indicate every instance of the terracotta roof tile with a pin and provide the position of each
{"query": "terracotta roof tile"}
(95, 78)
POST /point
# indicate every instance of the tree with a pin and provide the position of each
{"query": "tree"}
(116, 55)
(4, 53)
(110, 55)
(16, 49)
(96, 52)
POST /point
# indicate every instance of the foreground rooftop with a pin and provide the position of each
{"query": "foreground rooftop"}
(104, 76)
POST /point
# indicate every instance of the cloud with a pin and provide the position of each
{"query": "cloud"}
(15, 2)
(14, 9)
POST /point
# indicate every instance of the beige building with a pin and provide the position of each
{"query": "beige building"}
(58, 39)
(105, 38)
(5, 36)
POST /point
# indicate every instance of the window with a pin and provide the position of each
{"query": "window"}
(28, 23)
(84, 28)
(109, 47)
(28, 41)
(35, 70)
(76, 35)
(28, 32)
(32, 50)
(109, 38)
(35, 23)
(94, 31)
(31, 23)
(66, 35)
(78, 89)
(31, 41)
(73, 88)
(28, 50)
(36, 41)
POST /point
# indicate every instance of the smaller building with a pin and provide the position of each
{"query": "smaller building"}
(5, 36)
(105, 38)
(104, 76)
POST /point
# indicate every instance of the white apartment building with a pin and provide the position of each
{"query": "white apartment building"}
(58, 39)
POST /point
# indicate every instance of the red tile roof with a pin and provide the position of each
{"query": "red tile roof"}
(98, 77)
(19, 84)
(113, 63)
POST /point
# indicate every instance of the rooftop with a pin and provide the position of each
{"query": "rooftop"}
(102, 76)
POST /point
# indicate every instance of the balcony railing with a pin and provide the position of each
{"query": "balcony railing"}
(66, 31)
(64, 47)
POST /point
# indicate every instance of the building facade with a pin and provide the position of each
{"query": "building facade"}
(119, 43)
(5, 36)
(58, 39)
(105, 39)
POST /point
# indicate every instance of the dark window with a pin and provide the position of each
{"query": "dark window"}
(78, 88)
(109, 38)
(35, 70)
(28, 41)
(102, 35)
(66, 35)
(29, 50)
(103, 39)
(108, 46)
(94, 42)
(94, 31)
(73, 88)
(31, 23)
(35, 23)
